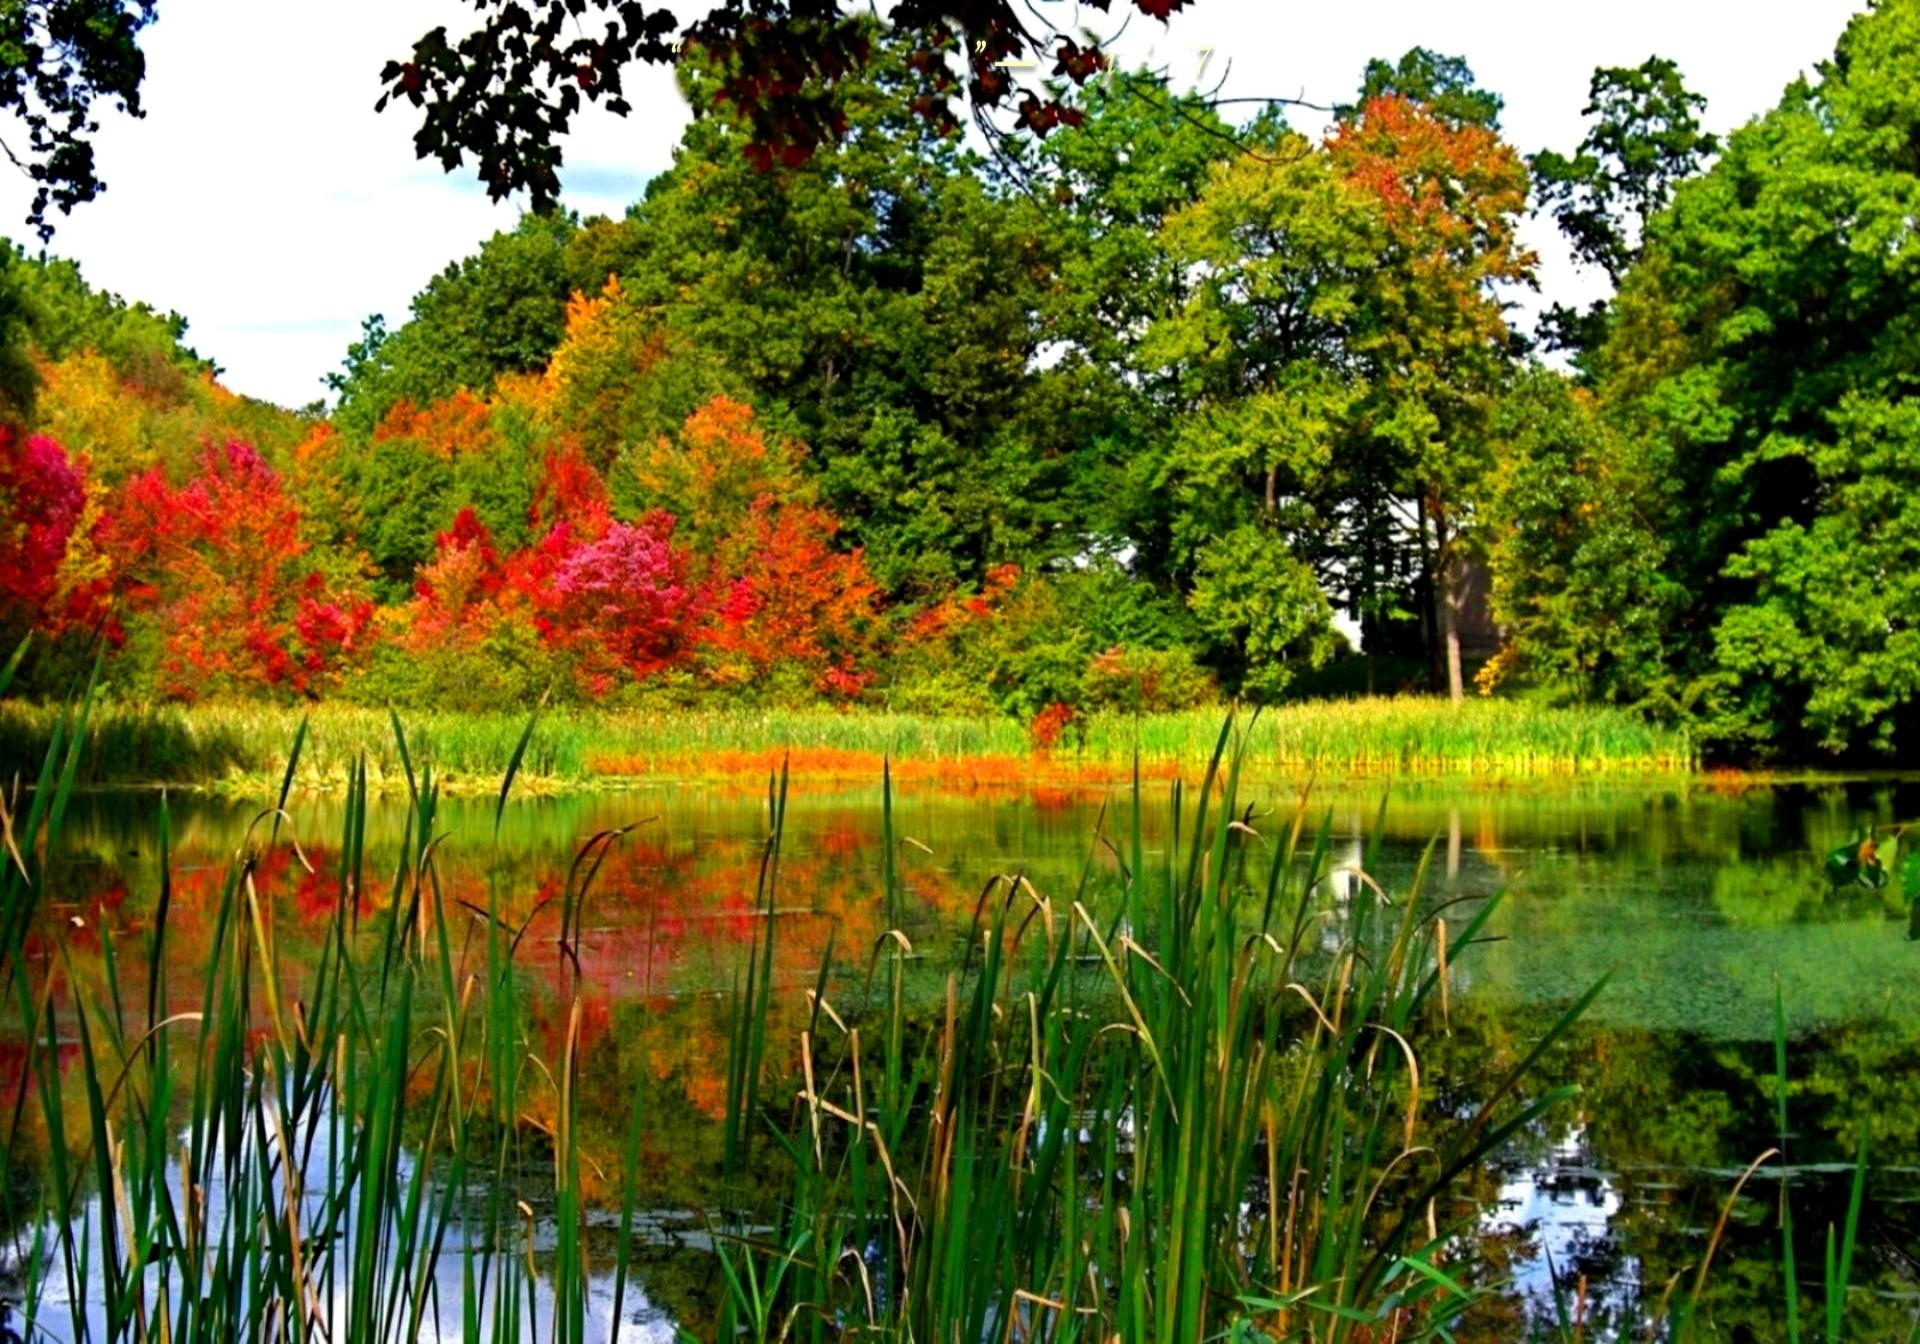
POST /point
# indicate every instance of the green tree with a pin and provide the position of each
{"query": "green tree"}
(501, 310)
(1255, 596)
(63, 314)
(1577, 556)
(18, 381)
(1764, 348)
(1140, 154)
(1263, 372)
(1643, 141)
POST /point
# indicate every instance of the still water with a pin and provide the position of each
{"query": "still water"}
(1700, 905)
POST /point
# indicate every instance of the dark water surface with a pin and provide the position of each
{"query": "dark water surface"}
(1699, 903)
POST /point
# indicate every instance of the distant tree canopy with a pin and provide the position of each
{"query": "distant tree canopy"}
(1049, 360)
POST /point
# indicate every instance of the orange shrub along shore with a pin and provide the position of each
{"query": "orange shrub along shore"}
(839, 765)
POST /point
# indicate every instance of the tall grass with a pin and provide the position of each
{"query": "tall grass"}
(244, 742)
(248, 1158)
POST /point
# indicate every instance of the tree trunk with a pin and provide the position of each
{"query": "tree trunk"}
(1427, 600)
(1448, 592)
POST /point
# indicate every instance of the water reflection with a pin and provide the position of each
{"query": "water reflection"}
(1562, 1209)
(428, 1307)
(1698, 902)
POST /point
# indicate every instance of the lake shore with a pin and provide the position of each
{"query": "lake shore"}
(241, 744)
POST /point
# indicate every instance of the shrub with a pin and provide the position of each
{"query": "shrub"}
(1146, 681)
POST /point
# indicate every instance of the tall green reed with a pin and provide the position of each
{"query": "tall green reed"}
(1202, 1112)
(308, 1177)
(243, 744)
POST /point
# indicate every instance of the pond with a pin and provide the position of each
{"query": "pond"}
(1704, 907)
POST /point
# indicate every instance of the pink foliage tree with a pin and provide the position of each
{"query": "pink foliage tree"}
(42, 497)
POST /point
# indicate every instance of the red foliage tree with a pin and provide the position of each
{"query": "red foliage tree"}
(219, 566)
(465, 572)
(954, 613)
(620, 601)
(571, 494)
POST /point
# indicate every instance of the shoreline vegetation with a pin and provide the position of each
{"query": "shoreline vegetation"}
(224, 746)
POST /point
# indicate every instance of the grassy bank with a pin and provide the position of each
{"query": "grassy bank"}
(217, 743)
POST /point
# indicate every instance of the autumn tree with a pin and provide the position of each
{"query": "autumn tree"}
(501, 310)
(223, 586)
(787, 602)
(1333, 366)
(43, 497)
(880, 304)
(1434, 337)
(790, 605)
(624, 376)
(621, 601)
(114, 379)
(714, 470)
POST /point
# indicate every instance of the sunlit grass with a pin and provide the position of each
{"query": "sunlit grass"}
(241, 743)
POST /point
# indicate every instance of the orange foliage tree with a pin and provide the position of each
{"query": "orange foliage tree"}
(455, 425)
(793, 600)
(456, 595)
(784, 600)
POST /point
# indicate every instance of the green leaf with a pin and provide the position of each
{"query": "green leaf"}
(513, 766)
(13, 663)
(1910, 874)
(1843, 864)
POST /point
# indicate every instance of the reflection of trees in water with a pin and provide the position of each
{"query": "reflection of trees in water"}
(1665, 1123)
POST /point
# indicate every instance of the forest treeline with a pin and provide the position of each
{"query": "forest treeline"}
(1118, 417)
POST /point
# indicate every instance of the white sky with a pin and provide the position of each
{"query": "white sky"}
(262, 198)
